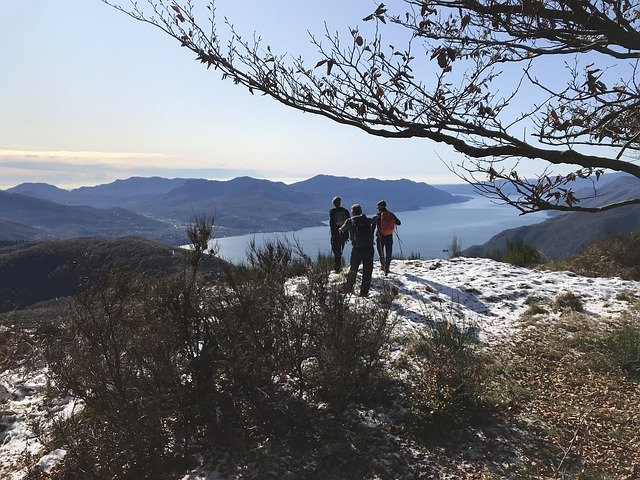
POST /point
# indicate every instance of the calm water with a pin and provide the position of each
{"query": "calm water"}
(427, 231)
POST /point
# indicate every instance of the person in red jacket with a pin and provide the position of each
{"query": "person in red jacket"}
(386, 222)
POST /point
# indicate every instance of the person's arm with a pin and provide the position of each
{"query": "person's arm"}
(398, 222)
(376, 223)
(345, 226)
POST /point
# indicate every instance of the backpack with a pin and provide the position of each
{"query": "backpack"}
(387, 223)
(339, 217)
(361, 232)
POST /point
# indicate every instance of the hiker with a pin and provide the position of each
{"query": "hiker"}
(337, 216)
(360, 229)
(386, 222)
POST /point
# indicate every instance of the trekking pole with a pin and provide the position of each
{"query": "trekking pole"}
(380, 251)
(399, 241)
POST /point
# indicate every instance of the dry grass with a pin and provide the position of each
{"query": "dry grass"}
(586, 417)
(615, 256)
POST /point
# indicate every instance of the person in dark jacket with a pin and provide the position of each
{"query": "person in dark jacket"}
(337, 216)
(360, 229)
(386, 222)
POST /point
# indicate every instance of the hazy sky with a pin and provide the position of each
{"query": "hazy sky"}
(89, 95)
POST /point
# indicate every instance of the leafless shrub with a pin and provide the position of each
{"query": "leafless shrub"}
(169, 366)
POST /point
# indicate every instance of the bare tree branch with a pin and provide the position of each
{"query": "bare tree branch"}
(575, 89)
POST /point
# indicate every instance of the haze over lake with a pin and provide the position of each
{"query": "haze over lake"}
(428, 231)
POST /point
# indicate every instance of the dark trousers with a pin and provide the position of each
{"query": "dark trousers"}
(360, 255)
(385, 250)
(337, 246)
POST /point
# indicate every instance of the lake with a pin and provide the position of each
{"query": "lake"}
(428, 231)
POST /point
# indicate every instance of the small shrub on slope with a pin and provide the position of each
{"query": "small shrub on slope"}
(412, 256)
(520, 254)
(455, 247)
(622, 347)
(568, 301)
(448, 384)
(324, 261)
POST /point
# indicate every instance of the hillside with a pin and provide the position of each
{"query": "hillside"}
(11, 232)
(555, 411)
(582, 185)
(43, 191)
(244, 203)
(119, 193)
(31, 273)
(57, 220)
(567, 234)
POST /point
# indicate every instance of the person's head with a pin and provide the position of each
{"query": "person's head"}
(356, 209)
(382, 204)
(336, 201)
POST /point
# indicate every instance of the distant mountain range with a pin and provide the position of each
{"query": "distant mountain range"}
(568, 233)
(160, 208)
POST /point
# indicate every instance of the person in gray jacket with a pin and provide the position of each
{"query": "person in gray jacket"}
(337, 216)
(360, 229)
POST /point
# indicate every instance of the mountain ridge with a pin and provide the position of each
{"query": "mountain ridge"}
(242, 205)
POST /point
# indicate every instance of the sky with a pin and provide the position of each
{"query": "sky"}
(89, 95)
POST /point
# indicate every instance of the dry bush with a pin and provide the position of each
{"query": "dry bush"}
(567, 301)
(170, 367)
(348, 349)
(119, 354)
(325, 345)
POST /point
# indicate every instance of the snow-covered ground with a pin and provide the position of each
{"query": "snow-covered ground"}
(489, 295)
(23, 408)
(480, 292)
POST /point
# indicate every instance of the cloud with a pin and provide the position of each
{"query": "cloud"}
(42, 158)
(70, 169)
